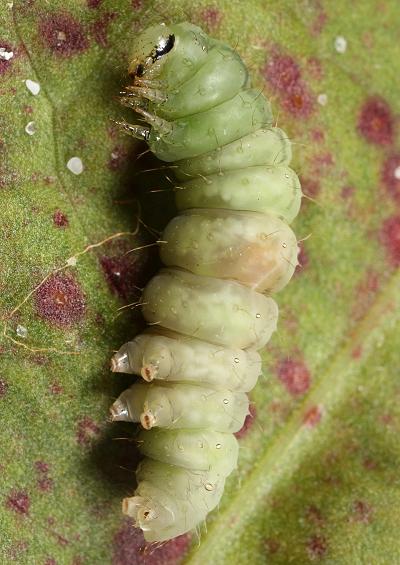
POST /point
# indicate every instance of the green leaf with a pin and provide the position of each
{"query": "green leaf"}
(318, 479)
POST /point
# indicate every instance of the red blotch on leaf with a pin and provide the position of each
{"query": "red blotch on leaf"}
(3, 387)
(87, 430)
(314, 515)
(100, 28)
(55, 388)
(93, 3)
(313, 416)
(5, 64)
(361, 512)
(284, 76)
(211, 17)
(130, 548)
(44, 482)
(19, 502)
(60, 300)
(294, 375)
(137, 4)
(390, 176)
(50, 561)
(390, 237)
(317, 547)
(122, 272)
(310, 186)
(60, 220)
(375, 122)
(248, 422)
(63, 34)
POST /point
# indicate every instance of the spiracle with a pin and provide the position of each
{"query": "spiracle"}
(230, 247)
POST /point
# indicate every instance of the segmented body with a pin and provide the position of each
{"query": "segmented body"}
(227, 250)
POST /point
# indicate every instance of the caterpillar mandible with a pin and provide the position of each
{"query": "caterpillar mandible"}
(226, 251)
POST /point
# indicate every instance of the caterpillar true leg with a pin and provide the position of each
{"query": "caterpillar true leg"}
(207, 313)
(136, 131)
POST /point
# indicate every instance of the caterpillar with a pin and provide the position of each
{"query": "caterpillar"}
(209, 310)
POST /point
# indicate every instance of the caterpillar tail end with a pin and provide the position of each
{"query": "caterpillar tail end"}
(119, 412)
(120, 363)
(149, 515)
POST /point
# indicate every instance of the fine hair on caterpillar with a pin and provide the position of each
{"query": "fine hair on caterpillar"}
(209, 309)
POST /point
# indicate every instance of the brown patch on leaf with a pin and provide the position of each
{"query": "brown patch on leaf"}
(19, 502)
(313, 416)
(87, 430)
(284, 75)
(390, 238)
(211, 17)
(317, 547)
(63, 34)
(294, 375)
(59, 219)
(375, 121)
(361, 512)
(60, 300)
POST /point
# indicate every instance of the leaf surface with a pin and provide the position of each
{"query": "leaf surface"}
(318, 475)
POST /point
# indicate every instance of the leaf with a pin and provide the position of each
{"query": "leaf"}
(318, 479)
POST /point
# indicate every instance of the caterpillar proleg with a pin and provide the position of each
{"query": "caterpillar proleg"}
(229, 248)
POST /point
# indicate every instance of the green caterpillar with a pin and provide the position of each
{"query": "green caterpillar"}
(227, 250)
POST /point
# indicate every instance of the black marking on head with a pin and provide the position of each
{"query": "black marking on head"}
(164, 46)
(139, 70)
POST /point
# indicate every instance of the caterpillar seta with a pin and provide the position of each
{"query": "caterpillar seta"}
(229, 248)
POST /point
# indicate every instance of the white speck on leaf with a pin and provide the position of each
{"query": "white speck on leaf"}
(32, 86)
(72, 262)
(322, 99)
(75, 165)
(30, 128)
(6, 55)
(21, 331)
(340, 44)
(397, 173)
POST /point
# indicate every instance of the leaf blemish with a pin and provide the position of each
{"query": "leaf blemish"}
(60, 301)
(375, 122)
(59, 219)
(19, 502)
(294, 375)
(63, 34)
(87, 430)
(283, 74)
(390, 238)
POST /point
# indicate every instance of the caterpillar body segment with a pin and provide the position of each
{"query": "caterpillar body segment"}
(209, 309)
(169, 357)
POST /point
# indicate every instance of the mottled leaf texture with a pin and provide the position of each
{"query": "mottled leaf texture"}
(318, 480)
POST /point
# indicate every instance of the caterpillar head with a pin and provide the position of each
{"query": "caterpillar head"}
(167, 53)
(150, 50)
